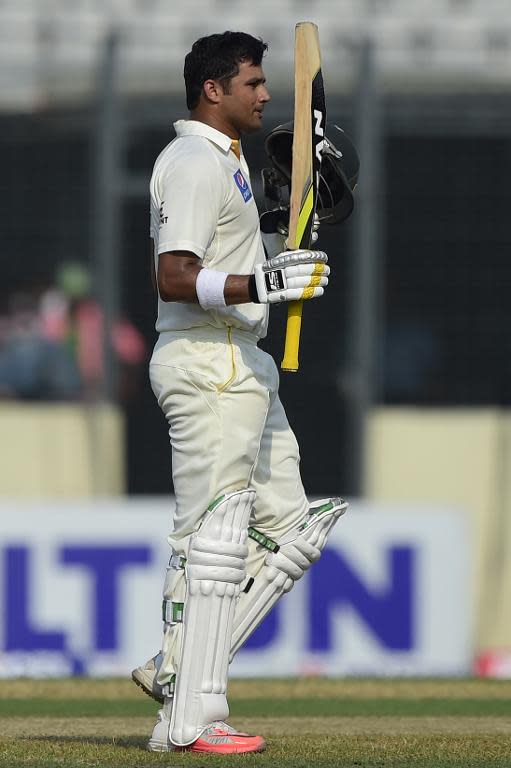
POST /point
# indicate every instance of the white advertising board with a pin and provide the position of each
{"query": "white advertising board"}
(80, 593)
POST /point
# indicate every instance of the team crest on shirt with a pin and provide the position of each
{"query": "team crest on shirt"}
(242, 185)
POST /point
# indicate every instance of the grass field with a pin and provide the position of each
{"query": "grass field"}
(307, 723)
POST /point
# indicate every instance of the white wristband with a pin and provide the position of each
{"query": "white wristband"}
(210, 288)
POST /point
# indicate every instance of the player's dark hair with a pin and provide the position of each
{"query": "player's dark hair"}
(217, 57)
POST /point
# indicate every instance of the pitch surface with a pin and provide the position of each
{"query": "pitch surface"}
(345, 723)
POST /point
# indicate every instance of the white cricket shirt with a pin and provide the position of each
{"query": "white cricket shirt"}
(202, 201)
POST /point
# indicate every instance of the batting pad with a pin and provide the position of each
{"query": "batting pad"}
(286, 562)
(214, 569)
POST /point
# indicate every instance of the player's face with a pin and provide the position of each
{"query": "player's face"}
(243, 105)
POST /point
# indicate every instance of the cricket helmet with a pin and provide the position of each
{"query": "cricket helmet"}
(338, 176)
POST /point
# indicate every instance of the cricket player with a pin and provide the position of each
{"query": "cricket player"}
(243, 531)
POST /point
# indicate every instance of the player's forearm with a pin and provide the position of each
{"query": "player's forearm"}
(215, 289)
(178, 272)
(237, 290)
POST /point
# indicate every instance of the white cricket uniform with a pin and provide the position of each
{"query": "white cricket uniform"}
(217, 389)
(201, 201)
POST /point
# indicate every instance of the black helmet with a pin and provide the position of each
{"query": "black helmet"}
(338, 177)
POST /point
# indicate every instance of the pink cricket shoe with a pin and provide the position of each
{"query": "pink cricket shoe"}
(218, 739)
(222, 739)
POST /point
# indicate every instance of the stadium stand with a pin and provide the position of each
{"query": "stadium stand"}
(49, 49)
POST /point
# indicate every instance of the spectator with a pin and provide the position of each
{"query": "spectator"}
(33, 367)
(72, 317)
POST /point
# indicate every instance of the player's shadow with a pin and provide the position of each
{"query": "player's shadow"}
(139, 742)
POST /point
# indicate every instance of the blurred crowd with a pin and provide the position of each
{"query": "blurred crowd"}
(51, 343)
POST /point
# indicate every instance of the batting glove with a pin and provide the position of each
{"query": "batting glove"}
(291, 276)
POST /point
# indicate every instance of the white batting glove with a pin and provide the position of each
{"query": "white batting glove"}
(291, 276)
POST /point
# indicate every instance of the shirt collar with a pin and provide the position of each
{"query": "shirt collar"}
(196, 128)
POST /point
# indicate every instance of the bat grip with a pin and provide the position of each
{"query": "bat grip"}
(294, 324)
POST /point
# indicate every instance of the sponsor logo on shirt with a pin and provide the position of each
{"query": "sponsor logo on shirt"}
(242, 185)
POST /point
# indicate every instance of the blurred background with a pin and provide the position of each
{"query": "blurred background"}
(402, 399)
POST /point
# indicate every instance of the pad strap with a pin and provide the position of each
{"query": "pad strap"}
(263, 540)
(172, 613)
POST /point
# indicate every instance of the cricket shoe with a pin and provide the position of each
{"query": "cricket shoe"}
(218, 739)
(145, 678)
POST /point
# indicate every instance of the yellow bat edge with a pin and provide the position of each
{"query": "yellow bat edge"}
(294, 309)
(307, 64)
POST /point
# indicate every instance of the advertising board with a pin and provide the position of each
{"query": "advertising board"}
(80, 593)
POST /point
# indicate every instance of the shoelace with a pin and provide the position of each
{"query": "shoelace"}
(226, 728)
(221, 726)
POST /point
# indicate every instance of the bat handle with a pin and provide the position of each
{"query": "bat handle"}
(294, 324)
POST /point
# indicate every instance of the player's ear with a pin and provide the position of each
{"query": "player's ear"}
(212, 91)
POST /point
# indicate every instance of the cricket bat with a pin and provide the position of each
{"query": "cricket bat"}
(309, 129)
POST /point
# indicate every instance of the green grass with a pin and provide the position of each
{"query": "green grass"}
(268, 708)
(307, 724)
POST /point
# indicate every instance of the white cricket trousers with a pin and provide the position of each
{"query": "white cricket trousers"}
(228, 431)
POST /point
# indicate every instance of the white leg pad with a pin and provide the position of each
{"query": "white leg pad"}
(286, 562)
(214, 569)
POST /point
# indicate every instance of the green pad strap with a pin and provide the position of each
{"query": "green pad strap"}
(314, 512)
(215, 503)
(172, 613)
(168, 688)
(177, 562)
(263, 540)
